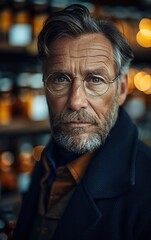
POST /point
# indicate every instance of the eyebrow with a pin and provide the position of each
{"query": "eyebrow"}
(97, 71)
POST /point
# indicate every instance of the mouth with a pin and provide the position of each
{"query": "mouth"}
(77, 124)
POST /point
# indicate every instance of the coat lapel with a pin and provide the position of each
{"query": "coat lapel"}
(80, 217)
(112, 170)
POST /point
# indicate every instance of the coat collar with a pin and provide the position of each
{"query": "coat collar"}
(112, 170)
(110, 173)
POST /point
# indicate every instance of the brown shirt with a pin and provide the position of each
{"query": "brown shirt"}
(67, 177)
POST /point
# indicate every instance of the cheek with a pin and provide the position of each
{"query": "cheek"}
(55, 105)
(102, 105)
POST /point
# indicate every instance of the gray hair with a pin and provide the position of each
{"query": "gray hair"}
(75, 21)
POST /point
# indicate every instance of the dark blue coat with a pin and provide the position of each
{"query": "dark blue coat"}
(112, 202)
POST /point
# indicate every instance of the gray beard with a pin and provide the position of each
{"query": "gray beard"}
(78, 140)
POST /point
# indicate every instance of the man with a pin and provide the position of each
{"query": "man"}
(93, 180)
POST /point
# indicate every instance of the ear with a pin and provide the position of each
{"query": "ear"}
(123, 89)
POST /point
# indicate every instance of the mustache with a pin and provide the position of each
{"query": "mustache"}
(76, 116)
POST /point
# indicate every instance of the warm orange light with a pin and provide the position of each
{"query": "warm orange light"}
(143, 38)
(142, 82)
(145, 83)
(137, 79)
(145, 23)
(148, 91)
(146, 33)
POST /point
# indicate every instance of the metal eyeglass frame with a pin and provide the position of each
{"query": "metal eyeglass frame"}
(59, 95)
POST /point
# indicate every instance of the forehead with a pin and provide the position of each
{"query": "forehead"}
(85, 51)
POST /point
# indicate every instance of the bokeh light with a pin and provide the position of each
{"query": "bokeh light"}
(142, 82)
(145, 23)
(143, 37)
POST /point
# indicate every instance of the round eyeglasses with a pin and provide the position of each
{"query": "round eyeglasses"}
(59, 84)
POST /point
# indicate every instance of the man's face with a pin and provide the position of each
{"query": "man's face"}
(81, 123)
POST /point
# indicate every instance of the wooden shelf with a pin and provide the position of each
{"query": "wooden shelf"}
(18, 59)
(22, 126)
(29, 49)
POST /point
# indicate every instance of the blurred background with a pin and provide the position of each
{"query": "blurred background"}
(23, 111)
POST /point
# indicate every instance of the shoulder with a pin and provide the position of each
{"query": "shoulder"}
(143, 165)
(143, 151)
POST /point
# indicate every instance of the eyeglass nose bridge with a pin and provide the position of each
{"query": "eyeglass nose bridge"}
(80, 82)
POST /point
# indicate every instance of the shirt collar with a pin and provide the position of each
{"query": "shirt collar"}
(78, 166)
(57, 156)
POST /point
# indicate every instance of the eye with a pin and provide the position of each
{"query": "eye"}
(96, 80)
(59, 78)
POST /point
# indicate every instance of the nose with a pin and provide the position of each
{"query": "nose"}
(77, 98)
